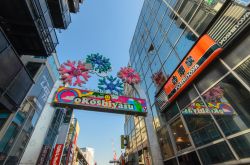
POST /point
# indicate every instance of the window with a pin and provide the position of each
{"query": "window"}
(8, 59)
(156, 64)
(151, 48)
(241, 145)
(151, 93)
(171, 111)
(4, 115)
(201, 126)
(148, 77)
(188, 95)
(33, 68)
(213, 72)
(158, 39)
(156, 119)
(180, 135)
(171, 162)
(244, 71)
(165, 50)
(233, 100)
(185, 43)
(165, 143)
(175, 31)
(163, 8)
(3, 42)
(166, 22)
(187, 9)
(171, 63)
(216, 154)
(8, 140)
(153, 30)
(204, 16)
(20, 87)
(235, 55)
(190, 158)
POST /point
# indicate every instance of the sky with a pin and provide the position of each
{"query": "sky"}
(104, 27)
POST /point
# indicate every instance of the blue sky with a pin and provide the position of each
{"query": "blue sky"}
(104, 27)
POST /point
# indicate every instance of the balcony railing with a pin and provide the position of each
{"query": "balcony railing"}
(44, 25)
(28, 26)
(59, 10)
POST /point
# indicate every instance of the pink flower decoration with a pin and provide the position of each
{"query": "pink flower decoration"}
(69, 71)
(129, 75)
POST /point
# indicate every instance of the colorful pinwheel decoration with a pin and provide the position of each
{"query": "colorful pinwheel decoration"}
(101, 65)
(111, 84)
(129, 76)
(70, 71)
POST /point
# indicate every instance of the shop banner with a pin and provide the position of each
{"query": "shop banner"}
(56, 157)
(200, 56)
(43, 157)
(97, 101)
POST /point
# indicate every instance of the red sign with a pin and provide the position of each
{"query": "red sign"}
(202, 54)
(57, 154)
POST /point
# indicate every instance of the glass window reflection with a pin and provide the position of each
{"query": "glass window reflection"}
(180, 135)
(165, 143)
(171, 111)
(231, 98)
(213, 72)
(188, 159)
(185, 43)
(205, 14)
(188, 95)
(201, 125)
(216, 153)
(175, 31)
(164, 50)
(241, 145)
(156, 64)
(171, 63)
(244, 71)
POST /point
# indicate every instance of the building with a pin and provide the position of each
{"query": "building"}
(70, 143)
(88, 153)
(79, 158)
(193, 59)
(27, 39)
(137, 141)
(41, 143)
(23, 122)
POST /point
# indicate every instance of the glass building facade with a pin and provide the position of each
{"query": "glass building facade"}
(19, 131)
(166, 32)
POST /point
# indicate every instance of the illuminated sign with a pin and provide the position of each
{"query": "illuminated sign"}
(97, 101)
(202, 54)
(216, 108)
(56, 158)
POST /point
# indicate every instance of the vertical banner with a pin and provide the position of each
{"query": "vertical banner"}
(43, 157)
(56, 157)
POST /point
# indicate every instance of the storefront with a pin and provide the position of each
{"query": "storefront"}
(209, 121)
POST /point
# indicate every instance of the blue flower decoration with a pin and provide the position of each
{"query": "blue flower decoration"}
(99, 63)
(111, 84)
